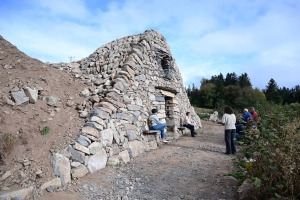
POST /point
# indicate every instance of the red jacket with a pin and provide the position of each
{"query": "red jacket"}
(254, 116)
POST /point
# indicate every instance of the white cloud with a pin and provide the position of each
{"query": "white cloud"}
(206, 37)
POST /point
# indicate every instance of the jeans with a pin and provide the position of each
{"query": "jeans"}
(160, 127)
(229, 136)
(191, 127)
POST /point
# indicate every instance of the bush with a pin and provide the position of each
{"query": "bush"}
(46, 130)
(275, 147)
(203, 115)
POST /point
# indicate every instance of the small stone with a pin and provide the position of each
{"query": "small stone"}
(38, 172)
(50, 189)
(75, 164)
(84, 114)
(81, 148)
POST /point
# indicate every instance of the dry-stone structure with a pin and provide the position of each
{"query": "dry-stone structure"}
(125, 80)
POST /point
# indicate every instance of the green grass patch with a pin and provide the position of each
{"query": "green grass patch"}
(45, 130)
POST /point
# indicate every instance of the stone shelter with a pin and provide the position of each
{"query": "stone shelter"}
(125, 79)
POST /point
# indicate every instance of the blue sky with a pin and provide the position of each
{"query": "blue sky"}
(259, 37)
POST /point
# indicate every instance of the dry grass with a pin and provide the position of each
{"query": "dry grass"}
(7, 143)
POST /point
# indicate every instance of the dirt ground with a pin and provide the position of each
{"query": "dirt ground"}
(189, 168)
(24, 123)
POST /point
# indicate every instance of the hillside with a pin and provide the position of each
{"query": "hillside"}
(24, 150)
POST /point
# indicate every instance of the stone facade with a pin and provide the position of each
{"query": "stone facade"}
(125, 80)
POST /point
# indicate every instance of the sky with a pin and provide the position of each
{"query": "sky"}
(257, 37)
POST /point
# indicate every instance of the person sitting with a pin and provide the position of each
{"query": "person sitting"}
(246, 117)
(239, 130)
(155, 124)
(254, 115)
(188, 124)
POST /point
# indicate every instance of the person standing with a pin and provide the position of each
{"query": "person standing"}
(157, 125)
(229, 120)
(188, 124)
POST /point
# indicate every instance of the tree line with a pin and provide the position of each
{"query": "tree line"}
(237, 92)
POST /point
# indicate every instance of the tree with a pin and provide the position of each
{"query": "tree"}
(244, 80)
(231, 79)
(188, 90)
(272, 92)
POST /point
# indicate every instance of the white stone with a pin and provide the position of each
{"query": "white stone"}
(61, 167)
(98, 120)
(106, 136)
(81, 148)
(112, 161)
(32, 94)
(79, 171)
(75, 164)
(54, 182)
(90, 131)
(124, 156)
(97, 161)
(95, 147)
(5, 175)
(135, 148)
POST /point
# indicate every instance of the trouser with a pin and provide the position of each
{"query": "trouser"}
(191, 127)
(229, 136)
(160, 127)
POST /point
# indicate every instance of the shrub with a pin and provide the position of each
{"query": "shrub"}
(46, 130)
(203, 115)
(275, 147)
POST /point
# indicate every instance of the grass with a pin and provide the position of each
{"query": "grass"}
(7, 142)
(46, 130)
(203, 110)
(118, 164)
(203, 116)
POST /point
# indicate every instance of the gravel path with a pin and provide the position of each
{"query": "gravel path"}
(189, 168)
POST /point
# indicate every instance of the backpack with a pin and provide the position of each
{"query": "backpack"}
(149, 121)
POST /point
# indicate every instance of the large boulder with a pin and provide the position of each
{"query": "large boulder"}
(62, 168)
(97, 161)
(135, 148)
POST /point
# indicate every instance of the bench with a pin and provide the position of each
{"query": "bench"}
(181, 128)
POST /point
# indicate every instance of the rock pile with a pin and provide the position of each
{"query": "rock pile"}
(125, 79)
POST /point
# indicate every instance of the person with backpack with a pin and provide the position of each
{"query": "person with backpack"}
(155, 124)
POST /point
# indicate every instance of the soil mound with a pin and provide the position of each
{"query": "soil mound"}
(24, 149)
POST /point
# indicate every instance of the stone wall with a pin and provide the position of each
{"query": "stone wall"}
(125, 80)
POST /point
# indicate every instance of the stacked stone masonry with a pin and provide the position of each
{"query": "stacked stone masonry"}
(125, 79)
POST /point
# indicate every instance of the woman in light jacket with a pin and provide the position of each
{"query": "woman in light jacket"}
(229, 120)
(188, 124)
